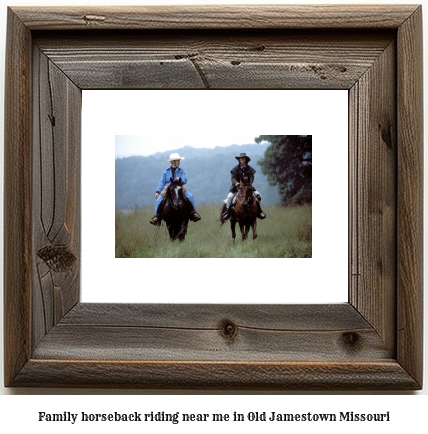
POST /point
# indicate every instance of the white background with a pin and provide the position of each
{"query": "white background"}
(324, 114)
(20, 411)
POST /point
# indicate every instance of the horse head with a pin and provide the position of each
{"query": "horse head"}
(245, 194)
(175, 190)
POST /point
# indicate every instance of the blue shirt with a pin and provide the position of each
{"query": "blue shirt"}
(167, 175)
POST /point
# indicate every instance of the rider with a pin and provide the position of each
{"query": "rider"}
(174, 172)
(239, 172)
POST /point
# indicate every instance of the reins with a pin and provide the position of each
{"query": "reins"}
(243, 197)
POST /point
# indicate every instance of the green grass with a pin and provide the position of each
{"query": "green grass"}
(285, 233)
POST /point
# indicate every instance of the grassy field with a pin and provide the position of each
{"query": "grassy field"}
(285, 233)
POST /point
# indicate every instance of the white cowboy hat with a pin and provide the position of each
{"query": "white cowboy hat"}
(174, 156)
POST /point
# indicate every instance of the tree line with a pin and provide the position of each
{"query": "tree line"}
(283, 167)
(287, 162)
(207, 170)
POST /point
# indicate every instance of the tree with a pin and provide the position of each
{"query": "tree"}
(287, 163)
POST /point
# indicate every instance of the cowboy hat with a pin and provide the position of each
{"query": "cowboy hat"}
(243, 155)
(174, 156)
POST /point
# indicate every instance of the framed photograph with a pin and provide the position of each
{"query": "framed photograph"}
(284, 238)
(373, 341)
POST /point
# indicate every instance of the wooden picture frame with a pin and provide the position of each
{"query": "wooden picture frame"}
(372, 342)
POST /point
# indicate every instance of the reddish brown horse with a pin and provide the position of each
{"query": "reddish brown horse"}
(244, 212)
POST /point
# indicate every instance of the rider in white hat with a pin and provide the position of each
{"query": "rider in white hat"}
(174, 172)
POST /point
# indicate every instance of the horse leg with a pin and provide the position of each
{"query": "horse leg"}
(247, 229)
(183, 231)
(244, 231)
(171, 231)
(254, 227)
(232, 227)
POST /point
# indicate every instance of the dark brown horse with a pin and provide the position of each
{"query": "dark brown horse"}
(174, 211)
(244, 212)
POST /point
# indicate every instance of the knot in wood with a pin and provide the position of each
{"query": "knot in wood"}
(386, 134)
(227, 329)
(351, 340)
(58, 259)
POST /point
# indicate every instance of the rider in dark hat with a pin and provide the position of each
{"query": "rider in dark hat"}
(240, 172)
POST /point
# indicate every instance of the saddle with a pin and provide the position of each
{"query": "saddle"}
(235, 199)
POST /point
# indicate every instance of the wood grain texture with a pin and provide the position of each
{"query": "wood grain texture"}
(216, 17)
(372, 342)
(385, 375)
(373, 176)
(410, 196)
(56, 194)
(17, 199)
(200, 332)
(210, 316)
(216, 60)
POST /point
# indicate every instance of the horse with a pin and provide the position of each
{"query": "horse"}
(244, 212)
(174, 211)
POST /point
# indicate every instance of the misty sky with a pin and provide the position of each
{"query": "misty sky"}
(127, 145)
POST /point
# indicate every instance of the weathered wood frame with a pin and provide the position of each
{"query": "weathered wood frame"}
(372, 342)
